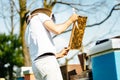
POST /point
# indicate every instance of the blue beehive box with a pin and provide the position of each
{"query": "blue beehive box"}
(105, 58)
(20, 78)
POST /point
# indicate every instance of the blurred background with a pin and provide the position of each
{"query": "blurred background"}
(103, 22)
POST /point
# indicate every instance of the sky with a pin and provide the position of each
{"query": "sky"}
(108, 29)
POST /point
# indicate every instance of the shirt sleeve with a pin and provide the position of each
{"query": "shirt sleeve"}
(43, 17)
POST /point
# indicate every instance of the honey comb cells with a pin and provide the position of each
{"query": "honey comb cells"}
(77, 33)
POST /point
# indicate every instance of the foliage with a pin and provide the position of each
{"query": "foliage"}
(10, 53)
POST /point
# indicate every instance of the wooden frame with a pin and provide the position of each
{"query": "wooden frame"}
(77, 33)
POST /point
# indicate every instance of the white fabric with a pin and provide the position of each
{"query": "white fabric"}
(38, 38)
(47, 69)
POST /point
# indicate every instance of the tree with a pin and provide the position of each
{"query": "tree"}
(22, 13)
(10, 55)
(10, 48)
